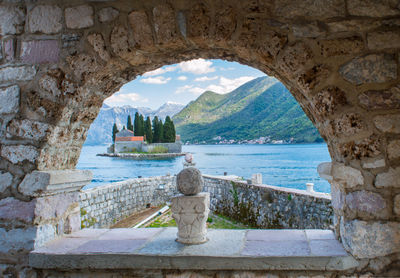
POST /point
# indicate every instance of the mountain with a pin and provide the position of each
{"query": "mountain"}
(100, 130)
(262, 107)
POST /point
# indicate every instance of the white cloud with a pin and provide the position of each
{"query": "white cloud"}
(224, 86)
(197, 66)
(182, 78)
(160, 71)
(120, 99)
(205, 78)
(155, 80)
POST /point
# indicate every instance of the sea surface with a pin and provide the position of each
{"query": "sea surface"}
(281, 165)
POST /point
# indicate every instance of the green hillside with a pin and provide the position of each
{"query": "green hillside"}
(260, 108)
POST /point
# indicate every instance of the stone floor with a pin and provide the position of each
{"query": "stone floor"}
(226, 249)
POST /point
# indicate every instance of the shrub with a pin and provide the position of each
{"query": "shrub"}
(159, 149)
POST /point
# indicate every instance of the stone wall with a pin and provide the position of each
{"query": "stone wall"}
(269, 207)
(104, 205)
(60, 60)
(172, 147)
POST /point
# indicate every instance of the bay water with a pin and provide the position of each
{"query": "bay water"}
(291, 165)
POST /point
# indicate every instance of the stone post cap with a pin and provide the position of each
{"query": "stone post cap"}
(189, 181)
(44, 183)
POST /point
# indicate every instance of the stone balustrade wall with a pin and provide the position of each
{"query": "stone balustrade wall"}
(260, 206)
(102, 206)
(266, 206)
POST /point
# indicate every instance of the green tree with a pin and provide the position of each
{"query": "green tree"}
(161, 131)
(141, 125)
(156, 131)
(114, 132)
(148, 131)
(168, 131)
(129, 123)
(136, 124)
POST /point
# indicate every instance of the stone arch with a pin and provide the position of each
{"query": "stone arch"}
(339, 59)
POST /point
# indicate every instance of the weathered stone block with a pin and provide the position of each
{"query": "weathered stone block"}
(346, 175)
(198, 21)
(54, 207)
(21, 73)
(5, 181)
(383, 40)
(388, 99)
(367, 147)
(82, 65)
(27, 129)
(373, 8)
(328, 100)
(39, 52)
(388, 123)
(15, 240)
(310, 30)
(12, 20)
(79, 17)
(19, 153)
(42, 183)
(12, 209)
(393, 149)
(373, 164)
(164, 23)
(141, 28)
(396, 204)
(9, 49)
(349, 124)
(310, 8)
(98, 44)
(45, 19)
(337, 195)
(338, 47)
(372, 68)
(370, 239)
(108, 14)
(9, 100)
(365, 201)
(391, 178)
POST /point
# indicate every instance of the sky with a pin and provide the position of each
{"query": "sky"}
(182, 83)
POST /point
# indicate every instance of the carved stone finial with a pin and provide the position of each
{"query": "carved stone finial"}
(189, 181)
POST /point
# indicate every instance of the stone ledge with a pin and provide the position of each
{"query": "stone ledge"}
(226, 249)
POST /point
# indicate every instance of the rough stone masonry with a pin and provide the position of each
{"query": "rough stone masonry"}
(339, 58)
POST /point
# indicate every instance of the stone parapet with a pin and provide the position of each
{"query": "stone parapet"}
(104, 205)
(266, 206)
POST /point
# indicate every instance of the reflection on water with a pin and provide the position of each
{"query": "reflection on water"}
(281, 165)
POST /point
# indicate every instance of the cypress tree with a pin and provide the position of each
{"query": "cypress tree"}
(141, 125)
(136, 124)
(161, 131)
(129, 123)
(148, 131)
(173, 132)
(114, 132)
(156, 131)
(169, 130)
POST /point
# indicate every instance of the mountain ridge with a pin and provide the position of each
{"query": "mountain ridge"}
(262, 107)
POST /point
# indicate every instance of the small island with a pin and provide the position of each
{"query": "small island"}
(145, 139)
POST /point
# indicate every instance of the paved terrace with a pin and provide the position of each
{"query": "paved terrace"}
(226, 249)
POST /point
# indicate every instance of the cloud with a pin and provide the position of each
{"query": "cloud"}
(155, 80)
(160, 71)
(119, 98)
(205, 78)
(224, 86)
(182, 78)
(196, 66)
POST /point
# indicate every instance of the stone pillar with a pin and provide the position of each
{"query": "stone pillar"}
(52, 210)
(190, 210)
(256, 178)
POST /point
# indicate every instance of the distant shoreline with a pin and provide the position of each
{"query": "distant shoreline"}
(141, 155)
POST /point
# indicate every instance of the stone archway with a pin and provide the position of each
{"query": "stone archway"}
(338, 58)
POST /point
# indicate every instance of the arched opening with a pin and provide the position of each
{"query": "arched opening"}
(336, 58)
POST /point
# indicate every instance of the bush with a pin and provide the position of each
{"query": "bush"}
(159, 149)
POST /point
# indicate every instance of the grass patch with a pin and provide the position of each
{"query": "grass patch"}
(159, 149)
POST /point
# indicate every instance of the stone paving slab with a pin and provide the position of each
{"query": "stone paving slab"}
(226, 249)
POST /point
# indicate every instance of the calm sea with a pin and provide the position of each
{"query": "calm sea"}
(281, 165)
